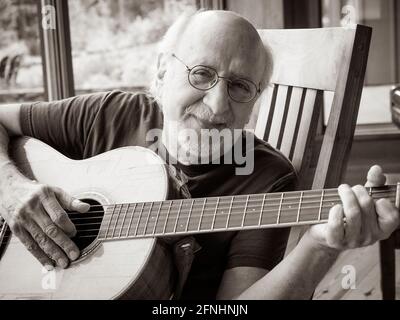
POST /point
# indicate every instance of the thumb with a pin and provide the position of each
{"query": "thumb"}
(71, 203)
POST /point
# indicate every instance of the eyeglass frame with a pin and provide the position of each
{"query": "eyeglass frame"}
(188, 69)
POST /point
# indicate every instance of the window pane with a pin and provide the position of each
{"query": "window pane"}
(114, 42)
(21, 71)
(263, 14)
(381, 68)
(378, 14)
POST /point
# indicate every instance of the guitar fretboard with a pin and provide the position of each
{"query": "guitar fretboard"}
(192, 216)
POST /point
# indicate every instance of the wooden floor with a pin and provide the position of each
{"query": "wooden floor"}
(365, 262)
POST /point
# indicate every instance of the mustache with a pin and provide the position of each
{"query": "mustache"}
(205, 114)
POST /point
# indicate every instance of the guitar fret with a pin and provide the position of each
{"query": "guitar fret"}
(280, 209)
(123, 221)
(140, 216)
(262, 208)
(245, 209)
(130, 220)
(116, 221)
(229, 212)
(202, 214)
(147, 220)
(190, 212)
(215, 214)
(298, 210)
(109, 222)
(177, 216)
(320, 205)
(166, 218)
(156, 221)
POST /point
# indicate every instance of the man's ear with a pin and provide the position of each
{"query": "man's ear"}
(161, 69)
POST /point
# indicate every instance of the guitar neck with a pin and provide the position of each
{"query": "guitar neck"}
(228, 213)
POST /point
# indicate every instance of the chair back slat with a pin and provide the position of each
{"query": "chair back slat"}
(265, 107)
(278, 116)
(284, 113)
(293, 121)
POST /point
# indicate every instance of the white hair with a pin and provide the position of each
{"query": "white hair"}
(172, 37)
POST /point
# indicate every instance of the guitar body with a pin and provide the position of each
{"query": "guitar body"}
(137, 269)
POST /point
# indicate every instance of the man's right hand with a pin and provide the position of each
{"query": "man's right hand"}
(35, 214)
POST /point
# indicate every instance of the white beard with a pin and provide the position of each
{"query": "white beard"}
(190, 146)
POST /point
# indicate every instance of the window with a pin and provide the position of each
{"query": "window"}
(114, 43)
(21, 70)
(383, 60)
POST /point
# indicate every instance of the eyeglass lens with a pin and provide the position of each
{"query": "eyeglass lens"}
(204, 78)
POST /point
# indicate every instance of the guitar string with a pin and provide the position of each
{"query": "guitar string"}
(220, 208)
(160, 234)
(240, 215)
(200, 201)
(254, 204)
(392, 189)
(211, 207)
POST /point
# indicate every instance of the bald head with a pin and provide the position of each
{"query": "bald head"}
(228, 34)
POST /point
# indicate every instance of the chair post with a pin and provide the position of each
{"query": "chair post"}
(388, 268)
(337, 140)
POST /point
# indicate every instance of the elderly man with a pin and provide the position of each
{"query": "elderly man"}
(211, 69)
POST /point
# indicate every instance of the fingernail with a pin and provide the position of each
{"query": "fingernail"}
(49, 267)
(74, 255)
(62, 263)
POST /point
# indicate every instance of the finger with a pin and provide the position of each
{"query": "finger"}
(57, 235)
(47, 245)
(70, 203)
(375, 177)
(58, 214)
(27, 240)
(388, 217)
(369, 226)
(335, 232)
(352, 214)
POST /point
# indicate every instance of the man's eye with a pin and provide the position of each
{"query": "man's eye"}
(203, 73)
(240, 85)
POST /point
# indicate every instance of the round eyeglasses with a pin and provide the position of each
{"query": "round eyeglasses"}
(204, 78)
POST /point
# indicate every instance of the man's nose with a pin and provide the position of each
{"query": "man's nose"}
(217, 98)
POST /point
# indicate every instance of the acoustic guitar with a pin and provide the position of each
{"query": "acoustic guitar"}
(121, 255)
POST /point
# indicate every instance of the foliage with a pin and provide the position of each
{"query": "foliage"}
(113, 41)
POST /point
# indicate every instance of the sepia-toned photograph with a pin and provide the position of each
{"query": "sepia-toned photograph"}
(199, 151)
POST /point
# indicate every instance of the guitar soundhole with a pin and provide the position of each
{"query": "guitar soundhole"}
(87, 224)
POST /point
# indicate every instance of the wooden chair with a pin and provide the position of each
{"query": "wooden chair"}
(308, 63)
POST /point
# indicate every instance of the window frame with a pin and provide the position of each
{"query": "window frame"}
(56, 52)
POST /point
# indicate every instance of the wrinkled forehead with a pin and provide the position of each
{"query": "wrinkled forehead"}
(223, 40)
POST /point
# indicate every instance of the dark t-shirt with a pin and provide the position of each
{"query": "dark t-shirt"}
(87, 125)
